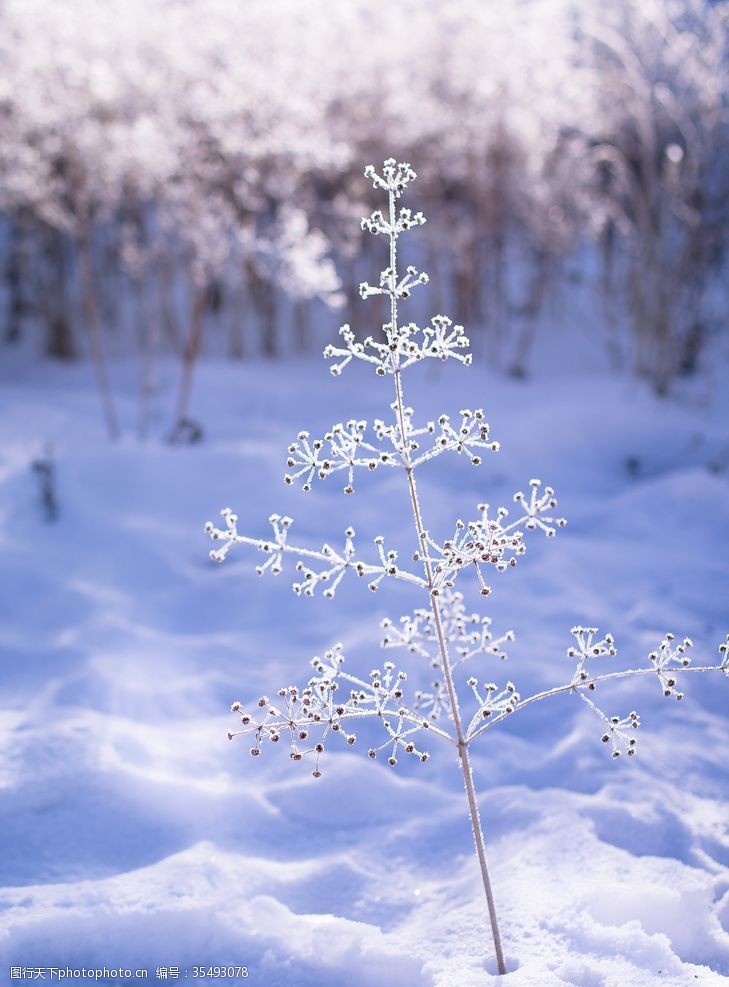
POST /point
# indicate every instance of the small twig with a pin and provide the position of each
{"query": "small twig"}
(45, 469)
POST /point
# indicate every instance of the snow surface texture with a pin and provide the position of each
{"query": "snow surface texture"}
(133, 834)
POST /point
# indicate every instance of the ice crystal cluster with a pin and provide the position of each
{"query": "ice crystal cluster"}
(442, 633)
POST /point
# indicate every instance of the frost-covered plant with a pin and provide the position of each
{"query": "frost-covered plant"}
(443, 632)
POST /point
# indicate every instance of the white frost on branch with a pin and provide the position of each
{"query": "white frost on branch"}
(395, 177)
(667, 662)
(403, 346)
(617, 729)
(308, 717)
(487, 541)
(491, 702)
(391, 286)
(345, 446)
(333, 565)
(468, 634)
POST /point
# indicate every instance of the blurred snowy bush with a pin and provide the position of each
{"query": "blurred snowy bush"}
(183, 175)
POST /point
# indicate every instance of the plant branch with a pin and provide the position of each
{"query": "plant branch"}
(577, 688)
(336, 564)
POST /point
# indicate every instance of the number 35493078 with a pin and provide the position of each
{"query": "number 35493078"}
(216, 972)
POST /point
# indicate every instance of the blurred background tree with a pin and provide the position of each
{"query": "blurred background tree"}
(180, 177)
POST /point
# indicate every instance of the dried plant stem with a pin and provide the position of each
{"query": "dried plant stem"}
(462, 744)
(460, 737)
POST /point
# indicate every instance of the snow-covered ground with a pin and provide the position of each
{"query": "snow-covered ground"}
(133, 834)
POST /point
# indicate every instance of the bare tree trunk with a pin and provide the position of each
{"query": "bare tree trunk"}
(302, 325)
(50, 283)
(108, 278)
(91, 314)
(351, 291)
(192, 350)
(149, 347)
(264, 299)
(466, 277)
(236, 337)
(165, 300)
(433, 269)
(531, 310)
(498, 295)
(14, 271)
